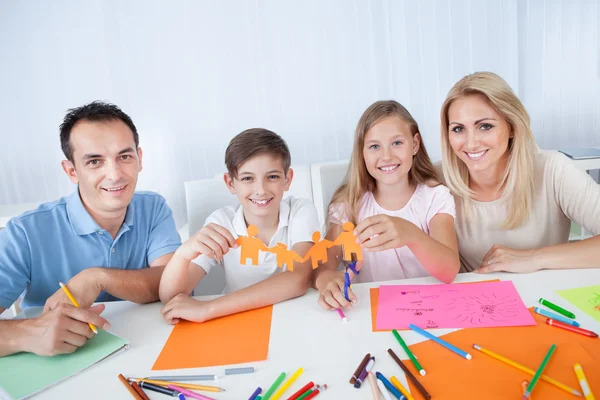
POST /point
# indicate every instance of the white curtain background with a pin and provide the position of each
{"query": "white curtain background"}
(192, 74)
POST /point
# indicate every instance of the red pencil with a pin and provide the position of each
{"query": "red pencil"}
(301, 391)
(315, 392)
(571, 328)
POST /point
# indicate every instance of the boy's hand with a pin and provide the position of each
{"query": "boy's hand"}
(184, 307)
(331, 291)
(212, 240)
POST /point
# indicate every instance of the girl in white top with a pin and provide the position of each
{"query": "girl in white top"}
(514, 202)
(404, 218)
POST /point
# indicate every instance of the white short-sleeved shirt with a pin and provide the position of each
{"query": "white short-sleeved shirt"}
(425, 203)
(297, 222)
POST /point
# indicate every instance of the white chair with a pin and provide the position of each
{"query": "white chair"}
(326, 178)
(204, 196)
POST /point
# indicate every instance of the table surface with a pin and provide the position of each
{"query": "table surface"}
(302, 335)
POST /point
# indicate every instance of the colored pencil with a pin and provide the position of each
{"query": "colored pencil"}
(274, 386)
(255, 393)
(182, 378)
(189, 393)
(556, 308)
(76, 304)
(129, 387)
(441, 342)
(538, 373)
(341, 314)
(585, 386)
(409, 353)
(316, 392)
(384, 392)
(302, 390)
(568, 327)
(287, 384)
(139, 391)
(555, 317)
(159, 389)
(520, 367)
(389, 386)
(183, 385)
(410, 375)
(362, 364)
(374, 387)
(401, 388)
(364, 373)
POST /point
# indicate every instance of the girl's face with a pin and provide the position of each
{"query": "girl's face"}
(478, 134)
(388, 151)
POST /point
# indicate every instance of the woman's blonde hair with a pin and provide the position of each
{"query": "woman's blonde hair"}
(518, 176)
(358, 181)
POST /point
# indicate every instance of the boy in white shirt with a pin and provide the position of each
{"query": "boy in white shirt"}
(258, 164)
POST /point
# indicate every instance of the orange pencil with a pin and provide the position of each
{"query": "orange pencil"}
(140, 391)
(129, 387)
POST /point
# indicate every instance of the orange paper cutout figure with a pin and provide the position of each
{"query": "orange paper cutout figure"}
(348, 241)
(285, 256)
(250, 245)
(318, 252)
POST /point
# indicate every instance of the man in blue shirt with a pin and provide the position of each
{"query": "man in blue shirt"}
(100, 240)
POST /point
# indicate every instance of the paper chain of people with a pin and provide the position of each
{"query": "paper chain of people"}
(250, 246)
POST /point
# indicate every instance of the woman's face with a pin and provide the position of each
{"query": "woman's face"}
(478, 134)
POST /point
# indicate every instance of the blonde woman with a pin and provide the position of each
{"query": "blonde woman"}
(404, 218)
(514, 202)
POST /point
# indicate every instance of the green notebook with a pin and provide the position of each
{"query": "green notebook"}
(24, 374)
(587, 299)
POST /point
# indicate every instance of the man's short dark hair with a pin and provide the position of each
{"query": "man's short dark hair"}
(253, 142)
(97, 111)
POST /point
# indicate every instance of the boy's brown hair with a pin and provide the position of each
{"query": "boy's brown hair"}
(253, 142)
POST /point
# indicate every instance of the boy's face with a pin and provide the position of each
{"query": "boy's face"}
(260, 184)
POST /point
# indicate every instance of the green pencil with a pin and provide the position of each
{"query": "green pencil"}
(409, 353)
(274, 386)
(538, 373)
(305, 394)
(556, 308)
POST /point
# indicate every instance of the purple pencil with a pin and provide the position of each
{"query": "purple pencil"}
(256, 393)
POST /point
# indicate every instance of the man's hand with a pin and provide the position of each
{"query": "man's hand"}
(85, 288)
(62, 329)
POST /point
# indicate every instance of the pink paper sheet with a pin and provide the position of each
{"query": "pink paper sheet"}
(477, 305)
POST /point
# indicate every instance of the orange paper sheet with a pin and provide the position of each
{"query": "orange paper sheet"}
(374, 296)
(452, 377)
(234, 339)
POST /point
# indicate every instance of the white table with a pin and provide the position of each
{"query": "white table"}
(302, 335)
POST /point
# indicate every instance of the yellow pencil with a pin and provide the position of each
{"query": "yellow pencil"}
(287, 384)
(520, 367)
(585, 386)
(183, 385)
(401, 388)
(70, 296)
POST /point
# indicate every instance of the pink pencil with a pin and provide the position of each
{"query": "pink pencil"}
(189, 393)
(341, 314)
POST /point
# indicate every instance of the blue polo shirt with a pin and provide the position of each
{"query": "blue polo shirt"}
(58, 240)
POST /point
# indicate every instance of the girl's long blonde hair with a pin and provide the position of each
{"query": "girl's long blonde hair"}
(358, 181)
(518, 176)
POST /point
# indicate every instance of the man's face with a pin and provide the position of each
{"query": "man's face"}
(105, 165)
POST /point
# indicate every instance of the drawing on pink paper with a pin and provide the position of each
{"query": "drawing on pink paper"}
(485, 304)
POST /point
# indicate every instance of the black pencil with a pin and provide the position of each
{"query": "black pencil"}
(409, 374)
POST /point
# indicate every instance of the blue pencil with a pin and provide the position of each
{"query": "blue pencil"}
(555, 317)
(255, 394)
(440, 341)
(389, 386)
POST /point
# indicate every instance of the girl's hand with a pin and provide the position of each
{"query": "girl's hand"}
(184, 307)
(331, 291)
(382, 232)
